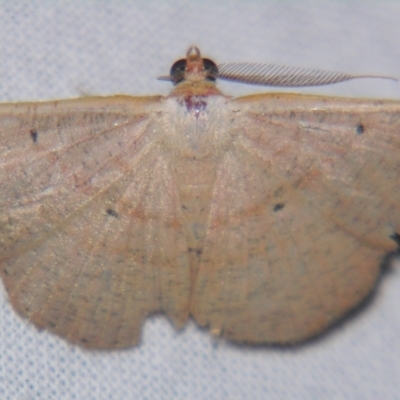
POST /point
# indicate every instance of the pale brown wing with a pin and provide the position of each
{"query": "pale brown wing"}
(90, 224)
(306, 205)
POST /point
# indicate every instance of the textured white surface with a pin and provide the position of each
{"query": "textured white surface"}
(59, 49)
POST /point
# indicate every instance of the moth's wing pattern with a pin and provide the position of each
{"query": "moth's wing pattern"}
(306, 205)
(90, 225)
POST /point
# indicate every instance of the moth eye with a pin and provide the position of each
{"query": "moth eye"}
(211, 69)
(177, 72)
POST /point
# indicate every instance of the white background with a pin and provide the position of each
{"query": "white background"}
(57, 49)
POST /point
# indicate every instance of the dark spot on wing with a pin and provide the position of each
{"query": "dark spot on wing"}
(34, 135)
(112, 213)
(396, 238)
(360, 129)
(199, 252)
(278, 207)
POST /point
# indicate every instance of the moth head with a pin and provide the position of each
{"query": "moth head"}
(192, 69)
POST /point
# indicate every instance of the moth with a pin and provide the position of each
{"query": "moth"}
(265, 218)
